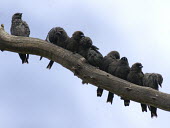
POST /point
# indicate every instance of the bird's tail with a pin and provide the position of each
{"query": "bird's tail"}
(144, 107)
(50, 64)
(110, 97)
(27, 57)
(41, 57)
(23, 58)
(99, 92)
(126, 102)
(153, 111)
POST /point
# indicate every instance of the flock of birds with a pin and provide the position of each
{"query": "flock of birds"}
(111, 63)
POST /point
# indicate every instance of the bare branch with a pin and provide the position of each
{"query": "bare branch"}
(89, 74)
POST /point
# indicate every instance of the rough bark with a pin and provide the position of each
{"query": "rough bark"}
(89, 74)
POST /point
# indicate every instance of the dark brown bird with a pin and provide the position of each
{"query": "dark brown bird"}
(94, 58)
(111, 56)
(136, 76)
(20, 28)
(108, 59)
(74, 42)
(85, 45)
(59, 37)
(119, 68)
(153, 80)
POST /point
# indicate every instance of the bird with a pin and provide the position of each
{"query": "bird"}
(135, 76)
(119, 68)
(59, 37)
(94, 58)
(20, 28)
(109, 58)
(74, 43)
(90, 52)
(85, 45)
(153, 80)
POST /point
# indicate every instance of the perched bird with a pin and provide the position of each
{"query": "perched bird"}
(74, 43)
(153, 80)
(111, 69)
(119, 68)
(136, 76)
(20, 28)
(94, 58)
(85, 45)
(108, 59)
(111, 56)
(59, 37)
(94, 47)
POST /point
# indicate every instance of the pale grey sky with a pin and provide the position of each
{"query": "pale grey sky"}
(32, 96)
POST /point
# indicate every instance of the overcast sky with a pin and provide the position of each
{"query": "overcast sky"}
(33, 97)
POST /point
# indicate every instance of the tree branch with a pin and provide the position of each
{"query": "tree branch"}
(89, 74)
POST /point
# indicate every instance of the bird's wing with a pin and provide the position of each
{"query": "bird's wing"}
(112, 67)
(26, 28)
(94, 48)
(150, 80)
(159, 79)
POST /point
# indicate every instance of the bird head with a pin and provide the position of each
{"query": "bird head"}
(78, 35)
(137, 67)
(123, 61)
(61, 33)
(114, 54)
(17, 16)
(86, 42)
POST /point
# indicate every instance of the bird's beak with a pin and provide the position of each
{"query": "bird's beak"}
(160, 85)
(141, 66)
(82, 35)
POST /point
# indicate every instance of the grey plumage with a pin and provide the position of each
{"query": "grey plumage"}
(94, 58)
(122, 68)
(122, 71)
(59, 37)
(109, 58)
(119, 68)
(85, 45)
(153, 80)
(94, 48)
(74, 43)
(20, 28)
(136, 76)
(111, 69)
